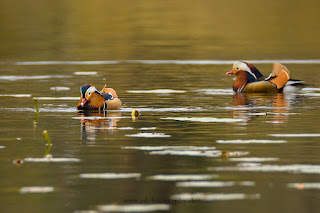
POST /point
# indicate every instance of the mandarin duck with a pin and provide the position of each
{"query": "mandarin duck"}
(250, 80)
(92, 99)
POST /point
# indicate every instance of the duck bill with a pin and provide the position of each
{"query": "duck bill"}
(230, 73)
(84, 101)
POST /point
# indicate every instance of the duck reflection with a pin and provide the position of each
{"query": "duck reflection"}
(93, 122)
(250, 106)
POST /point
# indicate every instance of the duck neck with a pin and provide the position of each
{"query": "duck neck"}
(241, 81)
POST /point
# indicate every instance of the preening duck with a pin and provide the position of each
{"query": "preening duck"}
(250, 80)
(92, 99)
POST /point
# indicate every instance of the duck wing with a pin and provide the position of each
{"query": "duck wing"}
(260, 87)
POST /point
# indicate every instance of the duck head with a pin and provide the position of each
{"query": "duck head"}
(90, 99)
(245, 73)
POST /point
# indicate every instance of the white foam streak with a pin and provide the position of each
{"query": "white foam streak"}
(134, 208)
(302, 186)
(148, 135)
(210, 154)
(253, 159)
(213, 196)
(16, 95)
(205, 119)
(295, 135)
(205, 184)
(295, 168)
(49, 160)
(110, 175)
(157, 91)
(181, 177)
(58, 98)
(36, 189)
(216, 91)
(85, 73)
(25, 77)
(250, 141)
(156, 148)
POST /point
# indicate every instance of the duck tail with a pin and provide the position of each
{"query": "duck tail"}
(280, 75)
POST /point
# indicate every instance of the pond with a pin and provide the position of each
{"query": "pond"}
(196, 146)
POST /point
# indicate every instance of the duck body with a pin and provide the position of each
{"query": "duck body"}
(92, 99)
(250, 80)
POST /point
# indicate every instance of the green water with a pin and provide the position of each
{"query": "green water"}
(60, 32)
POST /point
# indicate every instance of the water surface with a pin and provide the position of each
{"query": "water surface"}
(196, 146)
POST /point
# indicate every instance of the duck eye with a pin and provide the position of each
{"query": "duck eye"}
(89, 93)
(237, 68)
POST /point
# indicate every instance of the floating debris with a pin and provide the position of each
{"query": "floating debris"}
(205, 119)
(182, 177)
(85, 73)
(230, 154)
(256, 167)
(36, 189)
(2, 147)
(57, 88)
(135, 113)
(154, 148)
(18, 162)
(214, 196)
(19, 139)
(158, 91)
(110, 175)
(149, 135)
(134, 208)
(239, 141)
(295, 135)
(302, 186)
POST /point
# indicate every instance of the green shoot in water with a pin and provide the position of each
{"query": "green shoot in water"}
(36, 104)
(45, 133)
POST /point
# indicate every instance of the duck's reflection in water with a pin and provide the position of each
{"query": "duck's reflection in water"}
(93, 122)
(251, 106)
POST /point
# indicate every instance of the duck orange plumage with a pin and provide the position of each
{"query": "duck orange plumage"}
(250, 80)
(92, 99)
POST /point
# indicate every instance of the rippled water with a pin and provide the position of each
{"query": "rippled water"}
(196, 146)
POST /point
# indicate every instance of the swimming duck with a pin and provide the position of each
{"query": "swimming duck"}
(92, 99)
(250, 80)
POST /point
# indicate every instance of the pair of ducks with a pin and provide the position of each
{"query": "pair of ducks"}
(248, 80)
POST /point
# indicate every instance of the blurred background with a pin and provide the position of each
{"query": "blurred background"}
(131, 30)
